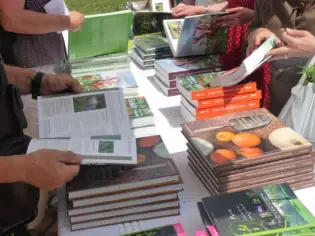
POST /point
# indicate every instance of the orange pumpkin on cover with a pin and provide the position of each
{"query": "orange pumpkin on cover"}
(148, 141)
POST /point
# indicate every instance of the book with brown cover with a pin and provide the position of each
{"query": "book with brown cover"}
(154, 168)
(244, 139)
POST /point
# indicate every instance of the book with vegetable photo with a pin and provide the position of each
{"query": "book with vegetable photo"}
(196, 35)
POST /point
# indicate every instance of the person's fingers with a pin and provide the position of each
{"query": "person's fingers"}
(288, 39)
(178, 9)
(279, 42)
(279, 51)
(70, 171)
(226, 18)
(235, 9)
(72, 83)
(296, 33)
(68, 157)
(276, 58)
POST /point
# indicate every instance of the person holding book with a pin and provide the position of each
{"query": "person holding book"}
(270, 17)
(21, 174)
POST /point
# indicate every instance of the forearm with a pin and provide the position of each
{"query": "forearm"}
(189, 2)
(218, 7)
(11, 169)
(256, 22)
(20, 78)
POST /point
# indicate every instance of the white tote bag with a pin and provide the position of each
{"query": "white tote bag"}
(299, 111)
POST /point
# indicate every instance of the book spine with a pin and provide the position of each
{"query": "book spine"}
(229, 100)
(173, 75)
(172, 92)
(223, 91)
(303, 185)
(173, 83)
(224, 110)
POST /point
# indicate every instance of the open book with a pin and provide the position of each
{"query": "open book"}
(97, 123)
(196, 35)
(101, 34)
(249, 65)
(161, 5)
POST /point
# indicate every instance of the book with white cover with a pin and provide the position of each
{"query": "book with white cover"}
(161, 5)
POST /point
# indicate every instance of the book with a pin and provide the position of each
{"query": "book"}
(171, 68)
(152, 43)
(222, 110)
(168, 83)
(123, 219)
(146, 22)
(223, 101)
(248, 66)
(243, 139)
(196, 87)
(123, 205)
(147, 56)
(145, 131)
(161, 6)
(96, 36)
(209, 225)
(141, 62)
(196, 35)
(154, 168)
(110, 79)
(165, 90)
(169, 230)
(139, 112)
(270, 210)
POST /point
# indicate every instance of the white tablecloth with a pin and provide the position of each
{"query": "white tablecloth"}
(168, 120)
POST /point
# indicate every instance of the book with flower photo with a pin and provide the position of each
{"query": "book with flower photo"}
(196, 35)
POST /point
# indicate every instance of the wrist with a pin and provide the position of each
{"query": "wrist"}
(17, 165)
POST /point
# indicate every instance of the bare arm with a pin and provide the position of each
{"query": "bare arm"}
(11, 169)
(189, 2)
(14, 18)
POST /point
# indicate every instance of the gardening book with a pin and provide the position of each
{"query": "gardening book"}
(196, 35)
(109, 79)
(139, 112)
(243, 139)
(167, 230)
(152, 43)
(97, 36)
(196, 87)
(161, 6)
(154, 169)
(171, 68)
(209, 225)
(147, 22)
(147, 56)
(270, 210)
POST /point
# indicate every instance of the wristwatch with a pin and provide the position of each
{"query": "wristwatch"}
(206, 9)
(36, 84)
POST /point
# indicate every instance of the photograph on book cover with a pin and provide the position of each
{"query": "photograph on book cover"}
(89, 103)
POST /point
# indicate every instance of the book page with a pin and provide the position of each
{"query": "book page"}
(161, 5)
(59, 116)
(97, 150)
(173, 29)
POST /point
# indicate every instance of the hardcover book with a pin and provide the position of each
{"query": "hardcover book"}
(270, 210)
(152, 43)
(173, 67)
(154, 168)
(243, 139)
(167, 230)
(96, 35)
(196, 35)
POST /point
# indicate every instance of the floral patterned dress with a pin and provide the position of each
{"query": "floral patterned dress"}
(235, 53)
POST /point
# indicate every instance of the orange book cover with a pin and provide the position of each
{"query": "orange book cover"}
(226, 100)
(205, 113)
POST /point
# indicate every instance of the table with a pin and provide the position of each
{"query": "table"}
(168, 120)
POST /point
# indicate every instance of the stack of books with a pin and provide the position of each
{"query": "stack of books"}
(141, 117)
(166, 70)
(99, 196)
(148, 48)
(248, 149)
(269, 210)
(200, 101)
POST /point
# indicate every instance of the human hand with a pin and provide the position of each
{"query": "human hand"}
(237, 16)
(182, 10)
(76, 21)
(50, 169)
(297, 43)
(257, 37)
(58, 82)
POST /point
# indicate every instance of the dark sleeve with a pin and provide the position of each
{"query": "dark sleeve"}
(257, 19)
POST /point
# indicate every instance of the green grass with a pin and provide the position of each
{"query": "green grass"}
(96, 6)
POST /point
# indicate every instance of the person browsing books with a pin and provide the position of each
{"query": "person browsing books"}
(21, 174)
(270, 17)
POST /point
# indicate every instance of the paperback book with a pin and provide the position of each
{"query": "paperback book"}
(142, 63)
(96, 35)
(164, 89)
(156, 56)
(152, 43)
(161, 5)
(167, 230)
(196, 35)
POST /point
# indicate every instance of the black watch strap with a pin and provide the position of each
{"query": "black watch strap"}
(36, 84)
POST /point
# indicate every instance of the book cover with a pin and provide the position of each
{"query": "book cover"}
(110, 79)
(147, 22)
(197, 87)
(209, 225)
(152, 43)
(244, 138)
(167, 230)
(96, 35)
(174, 67)
(154, 168)
(156, 56)
(270, 210)
(196, 35)
(161, 5)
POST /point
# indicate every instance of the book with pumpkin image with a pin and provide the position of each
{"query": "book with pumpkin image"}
(244, 139)
(196, 35)
(268, 210)
(154, 169)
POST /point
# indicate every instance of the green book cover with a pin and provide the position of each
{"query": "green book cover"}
(138, 107)
(101, 34)
(272, 210)
(167, 230)
(198, 81)
(152, 43)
